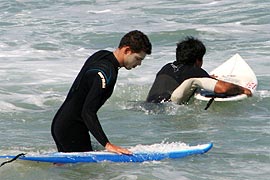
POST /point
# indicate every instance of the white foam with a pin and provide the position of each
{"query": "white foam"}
(8, 107)
(100, 12)
(263, 93)
(163, 147)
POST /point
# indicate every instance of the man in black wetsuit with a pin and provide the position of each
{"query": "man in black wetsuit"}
(92, 87)
(177, 81)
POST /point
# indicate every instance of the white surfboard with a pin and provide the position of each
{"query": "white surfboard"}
(234, 70)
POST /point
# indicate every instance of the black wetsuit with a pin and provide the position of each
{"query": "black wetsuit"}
(169, 78)
(78, 114)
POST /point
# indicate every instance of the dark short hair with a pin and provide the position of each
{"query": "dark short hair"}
(137, 41)
(189, 50)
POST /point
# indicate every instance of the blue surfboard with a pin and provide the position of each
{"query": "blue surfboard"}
(103, 156)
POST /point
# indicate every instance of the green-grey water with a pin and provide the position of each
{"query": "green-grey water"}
(43, 45)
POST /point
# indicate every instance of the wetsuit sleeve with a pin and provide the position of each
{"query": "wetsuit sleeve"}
(185, 90)
(91, 105)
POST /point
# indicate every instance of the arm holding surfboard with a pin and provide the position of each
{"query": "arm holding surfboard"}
(235, 70)
(223, 87)
(183, 92)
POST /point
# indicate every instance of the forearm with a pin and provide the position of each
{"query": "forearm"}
(230, 89)
(95, 128)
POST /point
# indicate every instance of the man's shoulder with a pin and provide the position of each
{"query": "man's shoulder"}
(101, 57)
(101, 62)
(167, 67)
(198, 72)
(101, 54)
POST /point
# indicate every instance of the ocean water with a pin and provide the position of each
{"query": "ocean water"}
(43, 45)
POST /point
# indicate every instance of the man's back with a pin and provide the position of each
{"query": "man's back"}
(169, 78)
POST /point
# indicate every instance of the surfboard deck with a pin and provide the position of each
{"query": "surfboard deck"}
(234, 70)
(102, 156)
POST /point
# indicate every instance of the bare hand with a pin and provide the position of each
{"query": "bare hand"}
(116, 149)
(247, 92)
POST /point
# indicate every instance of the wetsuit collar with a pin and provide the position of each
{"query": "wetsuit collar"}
(115, 61)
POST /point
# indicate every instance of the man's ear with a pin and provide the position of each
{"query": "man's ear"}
(127, 50)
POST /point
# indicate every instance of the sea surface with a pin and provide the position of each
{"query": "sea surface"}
(43, 45)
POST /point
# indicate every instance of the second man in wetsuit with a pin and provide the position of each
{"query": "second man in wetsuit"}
(176, 80)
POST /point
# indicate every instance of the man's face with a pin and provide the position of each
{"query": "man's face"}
(133, 59)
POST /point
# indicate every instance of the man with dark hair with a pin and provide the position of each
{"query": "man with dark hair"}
(178, 80)
(92, 87)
